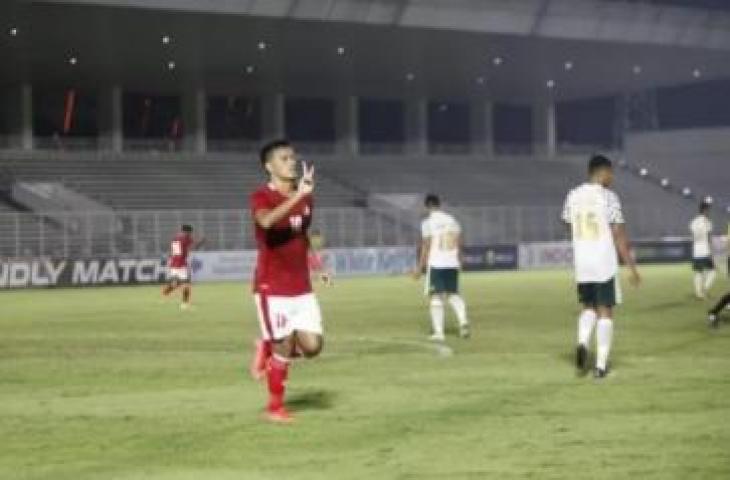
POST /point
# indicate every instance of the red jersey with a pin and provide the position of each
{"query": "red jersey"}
(282, 266)
(180, 249)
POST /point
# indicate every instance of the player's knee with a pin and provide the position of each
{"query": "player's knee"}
(312, 349)
(311, 353)
(437, 301)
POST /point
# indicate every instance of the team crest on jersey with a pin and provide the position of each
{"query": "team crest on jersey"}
(296, 222)
(307, 211)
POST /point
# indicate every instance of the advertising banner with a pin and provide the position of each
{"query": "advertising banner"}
(235, 265)
(51, 273)
(662, 252)
(369, 261)
(490, 257)
(546, 255)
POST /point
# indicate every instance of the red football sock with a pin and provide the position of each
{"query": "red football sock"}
(186, 294)
(276, 375)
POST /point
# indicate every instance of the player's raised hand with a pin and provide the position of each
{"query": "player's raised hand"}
(306, 182)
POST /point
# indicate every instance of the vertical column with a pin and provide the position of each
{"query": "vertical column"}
(111, 119)
(620, 122)
(273, 122)
(195, 126)
(544, 129)
(482, 136)
(346, 125)
(17, 106)
(26, 116)
(417, 126)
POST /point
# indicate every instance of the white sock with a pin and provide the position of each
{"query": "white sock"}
(586, 322)
(699, 284)
(709, 279)
(437, 316)
(604, 336)
(459, 307)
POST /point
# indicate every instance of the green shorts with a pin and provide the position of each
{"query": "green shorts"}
(702, 264)
(443, 280)
(598, 294)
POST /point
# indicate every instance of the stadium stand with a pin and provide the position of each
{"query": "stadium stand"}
(156, 181)
(689, 158)
(500, 200)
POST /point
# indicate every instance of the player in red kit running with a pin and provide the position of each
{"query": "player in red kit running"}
(289, 315)
(177, 264)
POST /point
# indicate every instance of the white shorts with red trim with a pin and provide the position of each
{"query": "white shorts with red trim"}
(181, 274)
(280, 316)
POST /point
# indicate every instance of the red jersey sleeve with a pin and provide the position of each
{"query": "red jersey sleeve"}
(259, 201)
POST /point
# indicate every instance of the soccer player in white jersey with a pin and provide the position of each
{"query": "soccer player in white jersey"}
(702, 263)
(597, 230)
(440, 257)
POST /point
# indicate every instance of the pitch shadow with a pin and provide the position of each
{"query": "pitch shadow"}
(314, 400)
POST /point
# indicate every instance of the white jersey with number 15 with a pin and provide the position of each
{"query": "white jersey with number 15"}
(591, 209)
(444, 231)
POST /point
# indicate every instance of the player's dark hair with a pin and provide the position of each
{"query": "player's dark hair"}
(187, 228)
(705, 207)
(597, 162)
(432, 200)
(268, 149)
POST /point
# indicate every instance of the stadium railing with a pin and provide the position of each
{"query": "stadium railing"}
(146, 233)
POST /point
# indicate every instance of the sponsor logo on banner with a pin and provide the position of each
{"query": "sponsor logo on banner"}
(546, 255)
(237, 265)
(369, 261)
(560, 254)
(493, 257)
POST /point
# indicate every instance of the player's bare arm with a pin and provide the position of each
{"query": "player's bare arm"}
(424, 249)
(621, 240)
(460, 248)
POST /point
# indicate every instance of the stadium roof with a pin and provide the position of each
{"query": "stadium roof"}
(307, 54)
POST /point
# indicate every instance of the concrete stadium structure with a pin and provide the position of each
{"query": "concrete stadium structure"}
(430, 57)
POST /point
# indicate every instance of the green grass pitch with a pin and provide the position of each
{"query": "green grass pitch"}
(114, 383)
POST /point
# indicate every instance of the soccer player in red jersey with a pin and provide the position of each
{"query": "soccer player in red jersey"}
(288, 312)
(177, 264)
